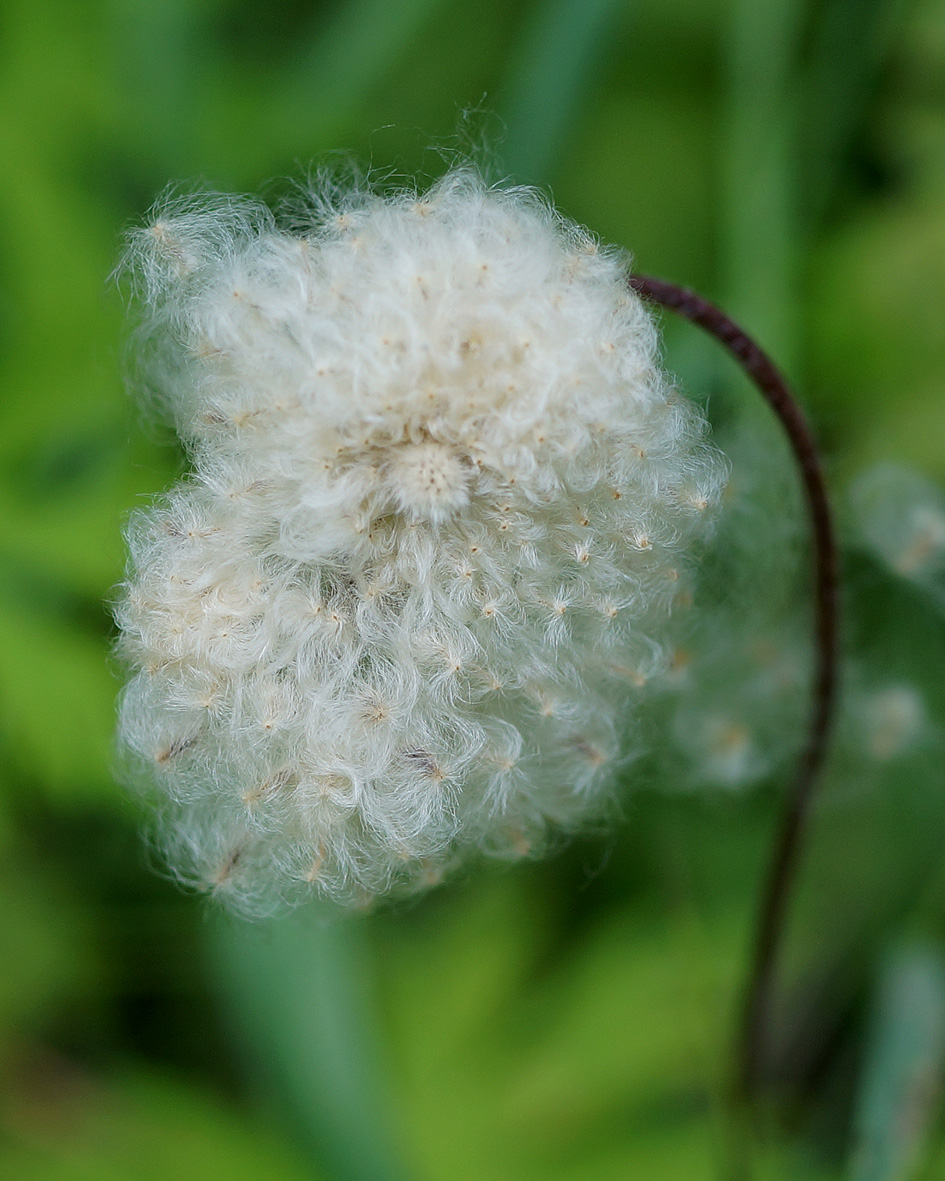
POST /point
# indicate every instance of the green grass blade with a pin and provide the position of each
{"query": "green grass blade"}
(298, 995)
(760, 235)
(550, 80)
(904, 1060)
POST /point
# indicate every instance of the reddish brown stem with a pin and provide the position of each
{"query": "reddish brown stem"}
(759, 990)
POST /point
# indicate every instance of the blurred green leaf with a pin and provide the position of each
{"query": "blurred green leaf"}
(551, 78)
(66, 1125)
(299, 999)
(852, 42)
(48, 948)
(309, 103)
(905, 1055)
(600, 1055)
(874, 312)
(760, 246)
(57, 698)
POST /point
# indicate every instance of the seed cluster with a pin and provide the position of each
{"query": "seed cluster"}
(441, 505)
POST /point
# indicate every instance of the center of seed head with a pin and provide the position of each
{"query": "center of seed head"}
(428, 481)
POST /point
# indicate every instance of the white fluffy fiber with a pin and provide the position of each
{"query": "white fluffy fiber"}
(440, 508)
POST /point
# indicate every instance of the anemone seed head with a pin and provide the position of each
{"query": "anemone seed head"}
(441, 501)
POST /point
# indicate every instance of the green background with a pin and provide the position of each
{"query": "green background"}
(563, 1020)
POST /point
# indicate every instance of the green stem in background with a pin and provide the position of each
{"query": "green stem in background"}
(553, 76)
(902, 1061)
(759, 238)
(162, 51)
(757, 1011)
(298, 994)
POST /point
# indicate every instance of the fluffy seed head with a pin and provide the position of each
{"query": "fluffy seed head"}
(428, 481)
(441, 504)
(900, 516)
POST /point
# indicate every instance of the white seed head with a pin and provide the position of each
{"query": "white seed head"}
(441, 506)
(894, 719)
(900, 515)
(428, 481)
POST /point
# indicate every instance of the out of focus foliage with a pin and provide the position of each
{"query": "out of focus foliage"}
(567, 1020)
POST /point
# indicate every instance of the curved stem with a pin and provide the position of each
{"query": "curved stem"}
(759, 991)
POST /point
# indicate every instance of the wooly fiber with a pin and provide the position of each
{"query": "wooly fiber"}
(440, 509)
